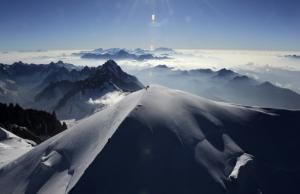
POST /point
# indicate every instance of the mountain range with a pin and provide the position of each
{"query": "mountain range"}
(61, 87)
(293, 56)
(71, 91)
(222, 85)
(126, 54)
(19, 82)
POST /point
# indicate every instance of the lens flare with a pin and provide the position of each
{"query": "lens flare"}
(153, 18)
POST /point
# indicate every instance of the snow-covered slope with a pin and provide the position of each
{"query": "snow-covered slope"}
(165, 141)
(12, 146)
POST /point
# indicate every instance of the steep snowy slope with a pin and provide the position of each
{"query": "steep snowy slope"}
(162, 141)
(12, 146)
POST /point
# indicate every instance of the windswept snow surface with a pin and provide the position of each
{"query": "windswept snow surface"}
(12, 146)
(161, 141)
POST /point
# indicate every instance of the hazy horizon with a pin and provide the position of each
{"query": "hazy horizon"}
(147, 48)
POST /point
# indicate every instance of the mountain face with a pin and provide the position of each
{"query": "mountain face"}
(61, 87)
(222, 85)
(159, 140)
(111, 72)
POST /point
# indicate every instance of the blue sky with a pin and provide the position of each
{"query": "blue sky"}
(207, 24)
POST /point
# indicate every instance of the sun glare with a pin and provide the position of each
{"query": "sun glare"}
(153, 18)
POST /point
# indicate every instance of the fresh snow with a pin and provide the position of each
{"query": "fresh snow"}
(12, 146)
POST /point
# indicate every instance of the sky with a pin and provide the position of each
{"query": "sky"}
(190, 24)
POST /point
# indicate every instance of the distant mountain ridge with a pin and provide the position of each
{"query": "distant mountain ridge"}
(68, 89)
(20, 81)
(50, 87)
(294, 56)
(126, 54)
(222, 85)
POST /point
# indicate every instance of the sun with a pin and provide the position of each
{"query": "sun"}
(153, 18)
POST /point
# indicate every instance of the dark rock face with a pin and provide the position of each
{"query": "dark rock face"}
(111, 72)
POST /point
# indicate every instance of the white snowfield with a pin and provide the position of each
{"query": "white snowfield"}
(12, 146)
(208, 130)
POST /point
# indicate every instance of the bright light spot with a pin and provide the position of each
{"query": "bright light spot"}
(153, 18)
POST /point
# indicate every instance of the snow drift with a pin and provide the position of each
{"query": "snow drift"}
(12, 146)
(165, 141)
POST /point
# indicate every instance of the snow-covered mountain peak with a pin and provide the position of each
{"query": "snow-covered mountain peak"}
(160, 140)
